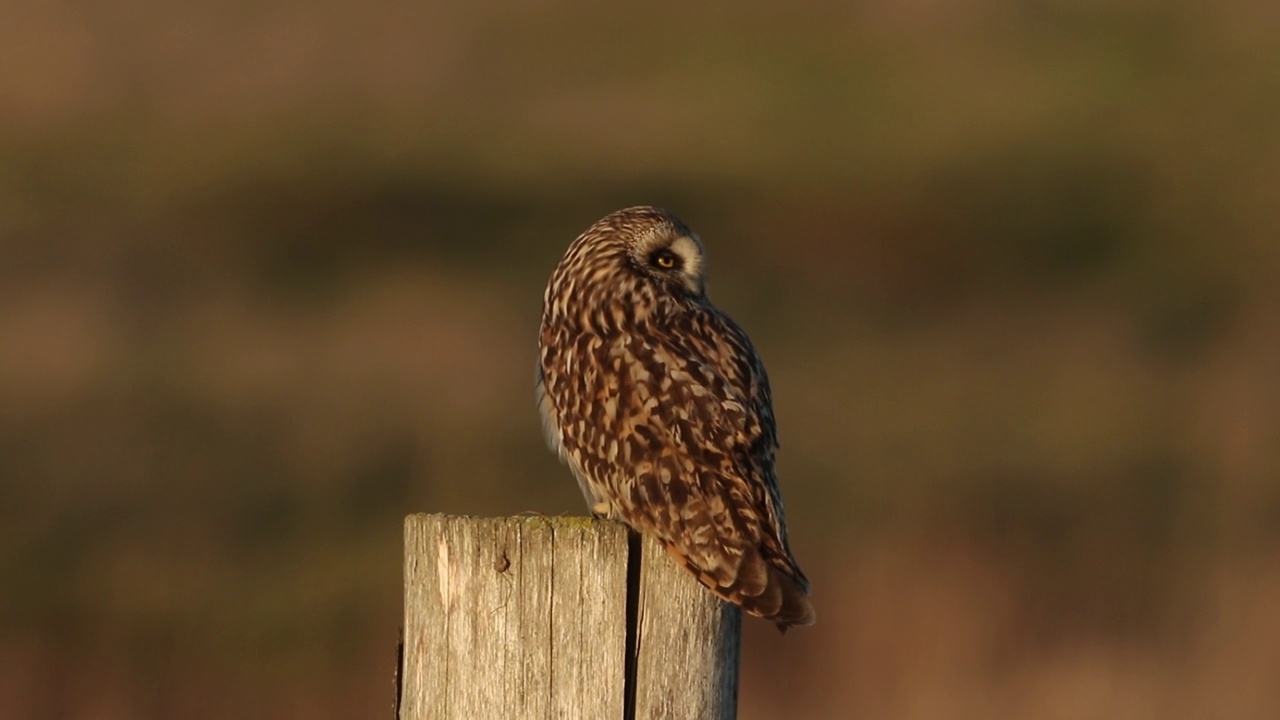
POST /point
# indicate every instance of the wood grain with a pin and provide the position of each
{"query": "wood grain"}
(526, 618)
(688, 645)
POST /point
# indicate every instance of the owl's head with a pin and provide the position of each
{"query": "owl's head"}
(627, 266)
(661, 248)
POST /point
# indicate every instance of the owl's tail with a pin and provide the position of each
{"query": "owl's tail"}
(762, 588)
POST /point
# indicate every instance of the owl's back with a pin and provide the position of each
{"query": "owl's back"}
(670, 427)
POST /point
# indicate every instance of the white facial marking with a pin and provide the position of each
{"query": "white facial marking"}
(691, 255)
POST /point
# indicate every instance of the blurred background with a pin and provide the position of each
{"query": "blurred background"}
(270, 279)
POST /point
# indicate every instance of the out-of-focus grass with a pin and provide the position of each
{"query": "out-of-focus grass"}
(269, 280)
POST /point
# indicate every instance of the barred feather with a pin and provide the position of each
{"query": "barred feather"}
(660, 406)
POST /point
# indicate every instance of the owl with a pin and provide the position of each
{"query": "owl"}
(660, 406)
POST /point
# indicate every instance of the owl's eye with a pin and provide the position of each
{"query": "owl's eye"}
(665, 259)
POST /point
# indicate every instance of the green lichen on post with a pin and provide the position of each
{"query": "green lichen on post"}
(567, 522)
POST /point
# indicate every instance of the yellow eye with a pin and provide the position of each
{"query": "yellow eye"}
(665, 259)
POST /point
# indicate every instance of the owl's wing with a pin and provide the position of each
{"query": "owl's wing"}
(702, 478)
(554, 435)
(550, 425)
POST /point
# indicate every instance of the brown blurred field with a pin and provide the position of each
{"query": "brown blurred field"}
(270, 279)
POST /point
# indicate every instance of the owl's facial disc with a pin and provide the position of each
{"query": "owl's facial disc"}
(677, 260)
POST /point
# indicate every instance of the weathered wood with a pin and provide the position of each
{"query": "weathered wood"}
(687, 645)
(537, 617)
(513, 618)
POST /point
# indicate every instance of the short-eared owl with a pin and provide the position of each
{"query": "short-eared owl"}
(660, 406)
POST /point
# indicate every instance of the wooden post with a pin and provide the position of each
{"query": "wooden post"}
(687, 646)
(542, 617)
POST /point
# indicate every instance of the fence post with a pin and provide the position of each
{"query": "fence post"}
(687, 647)
(555, 617)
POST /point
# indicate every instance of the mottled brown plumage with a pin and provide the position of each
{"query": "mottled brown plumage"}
(660, 406)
